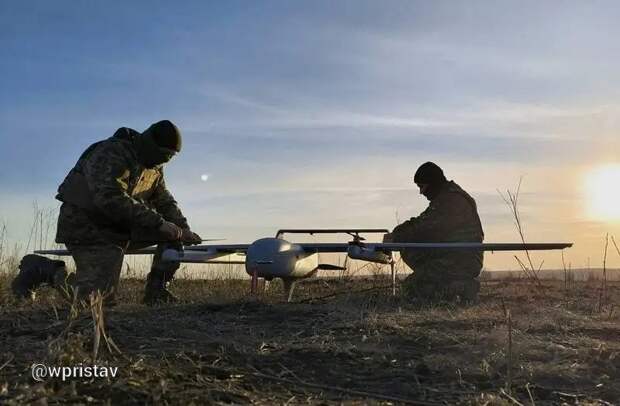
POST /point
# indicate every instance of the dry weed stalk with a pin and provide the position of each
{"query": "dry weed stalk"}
(569, 276)
(604, 284)
(504, 309)
(529, 392)
(509, 353)
(99, 330)
(9, 260)
(565, 273)
(74, 313)
(602, 298)
(2, 242)
(613, 240)
(43, 223)
(510, 397)
(95, 305)
(96, 308)
(512, 201)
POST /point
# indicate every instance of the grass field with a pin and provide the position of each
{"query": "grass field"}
(342, 341)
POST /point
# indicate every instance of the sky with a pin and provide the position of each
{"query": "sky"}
(317, 113)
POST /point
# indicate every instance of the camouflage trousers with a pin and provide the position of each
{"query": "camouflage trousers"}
(98, 267)
(438, 281)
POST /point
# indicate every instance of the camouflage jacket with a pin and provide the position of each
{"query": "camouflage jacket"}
(109, 196)
(451, 216)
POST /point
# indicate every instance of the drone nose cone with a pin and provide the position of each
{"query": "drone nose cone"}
(268, 246)
(269, 257)
(265, 250)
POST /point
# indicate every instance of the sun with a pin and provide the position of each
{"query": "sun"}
(602, 188)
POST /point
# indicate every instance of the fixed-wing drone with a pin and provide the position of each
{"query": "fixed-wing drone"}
(275, 257)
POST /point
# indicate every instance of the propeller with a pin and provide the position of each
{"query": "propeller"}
(357, 238)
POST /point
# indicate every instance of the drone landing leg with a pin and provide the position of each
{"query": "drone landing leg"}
(393, 269)
(254, 282)
(289, 286)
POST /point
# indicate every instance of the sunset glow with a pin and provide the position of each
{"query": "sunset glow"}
(603, 193)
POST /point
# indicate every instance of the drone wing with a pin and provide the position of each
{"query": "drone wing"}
(212, 254)
(209, 254)
(381, 252)
(59, 253)
(475, 246)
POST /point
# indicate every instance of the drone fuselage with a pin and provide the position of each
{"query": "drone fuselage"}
(277, 258)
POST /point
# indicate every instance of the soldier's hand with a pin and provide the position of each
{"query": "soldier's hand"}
(190, 238)
(170, 231)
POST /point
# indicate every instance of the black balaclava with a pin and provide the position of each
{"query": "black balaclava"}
(158, 144)
(431, 175)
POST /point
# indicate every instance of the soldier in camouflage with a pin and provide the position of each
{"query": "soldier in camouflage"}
(114, 200)
(451, 216)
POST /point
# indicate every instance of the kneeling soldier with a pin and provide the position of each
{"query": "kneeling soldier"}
(451, 216)
(114, 200)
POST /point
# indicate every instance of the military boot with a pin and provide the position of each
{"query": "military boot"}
(162, 273)
(156, 292)
(464, 291)
(35, 270)
(470, 293)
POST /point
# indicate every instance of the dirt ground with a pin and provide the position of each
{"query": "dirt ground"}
(343, 341)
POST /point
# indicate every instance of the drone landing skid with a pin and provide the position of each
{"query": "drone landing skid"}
(289, 287)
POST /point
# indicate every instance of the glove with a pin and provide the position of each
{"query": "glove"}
(189, 237)
(170, 231)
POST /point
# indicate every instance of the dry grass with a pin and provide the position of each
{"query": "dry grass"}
(344, 340)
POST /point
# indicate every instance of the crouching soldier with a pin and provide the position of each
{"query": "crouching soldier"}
(114, 200)
(451, 216)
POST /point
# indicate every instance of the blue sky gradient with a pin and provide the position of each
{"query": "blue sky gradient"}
(317, 113)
